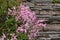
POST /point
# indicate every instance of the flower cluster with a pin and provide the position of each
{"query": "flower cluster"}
(30, 24)
(28, 15)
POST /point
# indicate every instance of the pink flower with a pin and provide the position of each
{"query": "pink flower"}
(45, 25)
(13, 38)
(30, 37)
(27, 26)
(25, 30)
(39, 21)
(3, 36)
(19, 29)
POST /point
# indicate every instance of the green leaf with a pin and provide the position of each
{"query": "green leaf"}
(9, 21)
(56, 1)
(22, 36)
